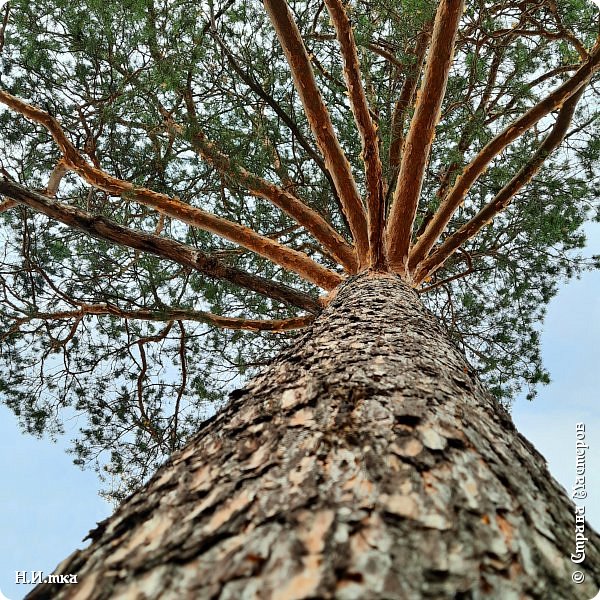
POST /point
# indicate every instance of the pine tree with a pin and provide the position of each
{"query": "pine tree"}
(184, 184)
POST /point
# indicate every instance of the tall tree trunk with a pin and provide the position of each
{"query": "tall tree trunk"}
(367, 462)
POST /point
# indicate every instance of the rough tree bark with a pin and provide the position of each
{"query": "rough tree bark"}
(366, 462)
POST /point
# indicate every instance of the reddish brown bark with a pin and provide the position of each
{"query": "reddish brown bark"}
(421, 133)
(313, 222)
(320, 123)
(288, 258)
(480, 162)
(7, 205)
(367, 131)
(504, 197)
(59, 171)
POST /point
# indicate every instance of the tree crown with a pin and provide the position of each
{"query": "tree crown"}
(183, 180)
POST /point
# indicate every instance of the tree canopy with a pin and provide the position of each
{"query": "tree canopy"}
(185, 182)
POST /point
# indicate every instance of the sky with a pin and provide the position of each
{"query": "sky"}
(48, 505)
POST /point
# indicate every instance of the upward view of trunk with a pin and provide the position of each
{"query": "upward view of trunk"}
(366, 462)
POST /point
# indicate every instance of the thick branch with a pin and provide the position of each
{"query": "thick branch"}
(506, 194)
(106, 229)
(421, 133)
(54, 180)
(314, 223)
(478, 165)
(169, 314)
(254, 85)
(173, 207)
(320, 122)
(7, 205)
(366, 129)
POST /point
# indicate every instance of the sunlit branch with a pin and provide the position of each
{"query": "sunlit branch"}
(103, 228)
(255, 86)
(173, 207)
(320, 123)
(480, 162)
(421, 133)
(312, 221)
(504, 197)
(366, 129)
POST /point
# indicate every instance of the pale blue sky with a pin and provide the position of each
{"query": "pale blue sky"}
(47, 505)
(570, 349)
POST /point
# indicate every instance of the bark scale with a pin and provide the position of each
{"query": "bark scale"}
(368, 462)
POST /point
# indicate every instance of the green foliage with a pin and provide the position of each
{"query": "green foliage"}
(109, 71)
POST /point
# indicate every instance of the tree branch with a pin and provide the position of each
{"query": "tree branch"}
(173, 207)
(480, 162)
(53, 182)
(251, 82)
(421, 133)
(468, 131)
(255, 86)
(60, 170)
(3, 26)
(566, 32)
(144, 420)
(320, 123)
(168, 314)
(445, 281)
(372, 46)
(181, 390)
(503, 198)
(103, 228)
(314, 223)
(366, 129)
(7, 205)
(406, 99)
